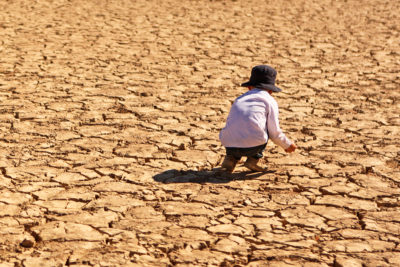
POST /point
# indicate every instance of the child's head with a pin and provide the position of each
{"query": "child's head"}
(262, 77)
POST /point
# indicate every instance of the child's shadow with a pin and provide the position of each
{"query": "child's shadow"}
(215, 176)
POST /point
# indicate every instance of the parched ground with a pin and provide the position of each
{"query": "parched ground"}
(110, 113)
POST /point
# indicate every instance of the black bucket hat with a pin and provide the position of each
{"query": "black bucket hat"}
(263, 77)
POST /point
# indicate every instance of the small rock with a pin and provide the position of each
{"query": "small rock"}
(28, 242)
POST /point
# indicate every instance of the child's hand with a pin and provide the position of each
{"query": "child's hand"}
(291, 148)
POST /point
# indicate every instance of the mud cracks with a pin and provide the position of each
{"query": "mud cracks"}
(110, 112)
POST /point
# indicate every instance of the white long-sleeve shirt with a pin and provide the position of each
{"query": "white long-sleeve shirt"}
(253, 119)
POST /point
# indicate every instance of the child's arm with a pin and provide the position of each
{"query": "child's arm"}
(274, 131)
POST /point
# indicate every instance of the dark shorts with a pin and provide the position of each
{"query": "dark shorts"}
(239, 152)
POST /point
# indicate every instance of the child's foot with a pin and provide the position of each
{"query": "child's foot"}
(229, 164)
(251, 163)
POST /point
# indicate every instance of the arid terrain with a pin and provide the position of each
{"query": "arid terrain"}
(110, 114)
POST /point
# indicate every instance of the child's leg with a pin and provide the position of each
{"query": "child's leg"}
(253, 156)
(234, 154)
(257, 152)
(229, 163)
(231, 159)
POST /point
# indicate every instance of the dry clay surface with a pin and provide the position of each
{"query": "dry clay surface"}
(110, 113)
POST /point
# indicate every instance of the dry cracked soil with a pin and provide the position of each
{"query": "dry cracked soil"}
(109, 122)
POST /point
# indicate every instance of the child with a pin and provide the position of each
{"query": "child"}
(252, 120)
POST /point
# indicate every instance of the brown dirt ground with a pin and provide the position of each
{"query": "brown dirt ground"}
(110, 113)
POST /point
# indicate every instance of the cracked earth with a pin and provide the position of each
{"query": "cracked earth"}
(110, 113)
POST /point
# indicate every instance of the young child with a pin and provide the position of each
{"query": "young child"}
(252, 120)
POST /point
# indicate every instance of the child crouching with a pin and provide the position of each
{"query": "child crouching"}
(252, 120)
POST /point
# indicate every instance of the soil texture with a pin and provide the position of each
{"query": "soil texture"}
(109, 122)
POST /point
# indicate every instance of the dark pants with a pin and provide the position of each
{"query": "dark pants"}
(239, 152)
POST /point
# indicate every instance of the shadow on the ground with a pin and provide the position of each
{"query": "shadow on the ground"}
(215, 176)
